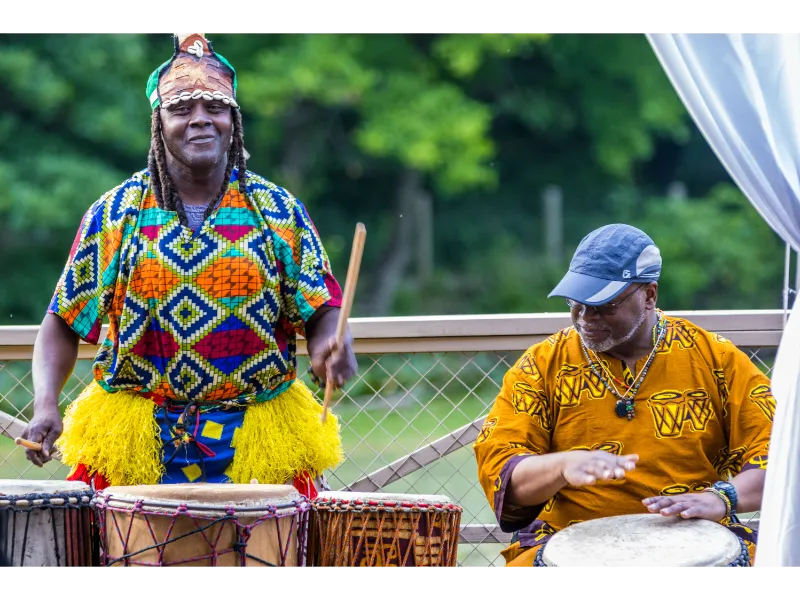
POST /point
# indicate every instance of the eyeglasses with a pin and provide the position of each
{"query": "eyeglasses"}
(608, 309)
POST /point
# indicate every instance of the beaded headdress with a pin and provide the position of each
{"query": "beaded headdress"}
(194, 71)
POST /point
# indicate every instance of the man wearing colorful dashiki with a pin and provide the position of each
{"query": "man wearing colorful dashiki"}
(628, 411)
(206, 272)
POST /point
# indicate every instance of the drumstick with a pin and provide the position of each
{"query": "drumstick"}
(36, 447)
(347, 301)
(26, 444)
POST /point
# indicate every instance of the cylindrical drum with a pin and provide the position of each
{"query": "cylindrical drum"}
(377, 529)
(46, 524)
(644, 540)
(202, 525)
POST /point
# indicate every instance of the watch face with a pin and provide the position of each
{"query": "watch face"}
(730, 491)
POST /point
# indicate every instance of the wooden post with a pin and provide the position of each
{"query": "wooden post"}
(425, 238)
(553, 201)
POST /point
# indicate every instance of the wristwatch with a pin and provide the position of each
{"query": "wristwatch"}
(730, 491)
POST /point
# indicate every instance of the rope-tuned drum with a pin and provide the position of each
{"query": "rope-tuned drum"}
(644, 540)
(202, 525)
(355, 529)
(46, 524)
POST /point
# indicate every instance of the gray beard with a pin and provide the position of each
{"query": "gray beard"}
(612, 342)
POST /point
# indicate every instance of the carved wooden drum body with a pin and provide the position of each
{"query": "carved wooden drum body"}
(202, 525)
(378, 529)
(46, 524)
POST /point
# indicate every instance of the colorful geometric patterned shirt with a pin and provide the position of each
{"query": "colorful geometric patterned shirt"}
(703, 413)
(210, 314)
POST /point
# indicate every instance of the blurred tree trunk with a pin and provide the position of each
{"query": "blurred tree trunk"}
(304, 139)
(398, 252)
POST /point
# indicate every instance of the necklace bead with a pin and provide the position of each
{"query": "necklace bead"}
(624, 405)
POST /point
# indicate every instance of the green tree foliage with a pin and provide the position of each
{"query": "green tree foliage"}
(441, 144)
(717, 253)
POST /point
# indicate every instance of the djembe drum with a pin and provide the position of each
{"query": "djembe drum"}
(644, 540)
(202, 525)
(373, 530)
(46, 524)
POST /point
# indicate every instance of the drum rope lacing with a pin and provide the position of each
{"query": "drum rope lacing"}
(296, 510)
(335, 534)
(37, 501)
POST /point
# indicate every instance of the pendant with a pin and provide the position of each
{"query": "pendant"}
(621, 410)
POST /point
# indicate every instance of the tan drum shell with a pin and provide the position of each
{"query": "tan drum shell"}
(56, 535)
(205, 502)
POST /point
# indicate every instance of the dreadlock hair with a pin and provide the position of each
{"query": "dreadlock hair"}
(167, 196)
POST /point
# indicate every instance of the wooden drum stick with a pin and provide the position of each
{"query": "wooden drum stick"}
(347, 301)
(26, 444)
(55, 454)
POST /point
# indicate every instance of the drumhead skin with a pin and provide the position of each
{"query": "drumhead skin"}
(205, 495)
(383, 497)
(23, 487)
(646, 540)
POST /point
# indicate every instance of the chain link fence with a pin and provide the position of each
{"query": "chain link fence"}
(397, 404)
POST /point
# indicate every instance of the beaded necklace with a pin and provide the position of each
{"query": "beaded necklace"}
(610, 375)
(624, 405)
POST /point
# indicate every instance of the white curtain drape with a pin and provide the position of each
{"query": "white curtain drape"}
(743, 92)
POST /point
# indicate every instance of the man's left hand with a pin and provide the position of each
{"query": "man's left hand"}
(700, 505)
(335, 364)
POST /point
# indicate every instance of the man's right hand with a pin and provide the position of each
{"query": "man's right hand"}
(44, 429)
(584, 467)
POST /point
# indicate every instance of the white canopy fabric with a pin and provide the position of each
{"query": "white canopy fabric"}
(743, 92)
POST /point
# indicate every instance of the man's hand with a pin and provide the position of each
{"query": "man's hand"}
(335, 364)
(700, 505)
(44, 429)
(583, 467)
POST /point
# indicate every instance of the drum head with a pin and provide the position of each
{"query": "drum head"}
(383, 497)
(23, 487)
(205, 494)
(647, 540)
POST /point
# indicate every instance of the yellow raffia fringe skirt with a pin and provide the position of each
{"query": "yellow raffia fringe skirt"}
(117, 435)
